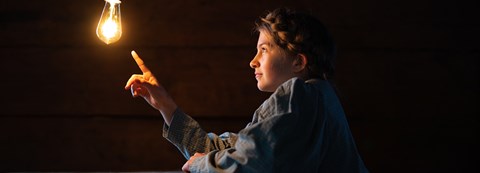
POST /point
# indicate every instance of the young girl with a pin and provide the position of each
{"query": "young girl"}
(301, 127)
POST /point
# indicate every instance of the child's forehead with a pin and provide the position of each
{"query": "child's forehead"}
(265, 39)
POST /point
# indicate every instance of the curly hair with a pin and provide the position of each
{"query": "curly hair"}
(301, 33)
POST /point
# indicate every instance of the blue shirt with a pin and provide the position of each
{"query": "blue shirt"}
(301, 127)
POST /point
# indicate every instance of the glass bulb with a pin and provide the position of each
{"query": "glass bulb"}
(109, 27)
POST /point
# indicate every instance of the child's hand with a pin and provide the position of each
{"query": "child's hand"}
(147, 86)
(186, 166)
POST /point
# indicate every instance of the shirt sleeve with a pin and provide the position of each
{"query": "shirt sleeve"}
(263, 145)
(187, 135)
(254, 149)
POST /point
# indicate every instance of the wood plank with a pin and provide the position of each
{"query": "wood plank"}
(218, 82)
(228, 23)
(99, 143)
(76, 81)
(408, 84)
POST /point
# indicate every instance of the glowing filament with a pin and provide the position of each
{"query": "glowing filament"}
(109, 29)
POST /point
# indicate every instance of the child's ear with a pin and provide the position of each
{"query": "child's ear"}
(300, 63)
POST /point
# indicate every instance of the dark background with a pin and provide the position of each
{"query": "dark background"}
(407, 72)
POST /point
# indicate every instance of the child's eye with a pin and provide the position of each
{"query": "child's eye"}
(263, 50)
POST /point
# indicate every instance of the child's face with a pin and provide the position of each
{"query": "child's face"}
(272, 66)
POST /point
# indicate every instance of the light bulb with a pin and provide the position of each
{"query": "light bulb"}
(109, 27)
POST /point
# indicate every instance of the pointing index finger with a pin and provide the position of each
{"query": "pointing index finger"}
(139, 62)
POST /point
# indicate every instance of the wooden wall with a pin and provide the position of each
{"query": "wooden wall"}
(407, 72)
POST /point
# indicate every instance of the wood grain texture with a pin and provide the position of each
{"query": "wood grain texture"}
(407, 75)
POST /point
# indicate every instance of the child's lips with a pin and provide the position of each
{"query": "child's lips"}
(258, 75)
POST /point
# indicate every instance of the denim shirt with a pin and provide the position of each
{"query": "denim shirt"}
(301, 127)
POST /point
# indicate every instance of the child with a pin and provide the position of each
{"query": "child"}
(300, 128)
